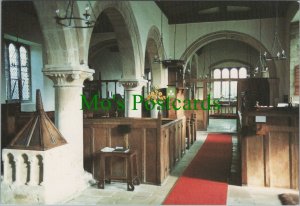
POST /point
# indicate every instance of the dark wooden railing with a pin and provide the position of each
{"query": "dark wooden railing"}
(227, 110)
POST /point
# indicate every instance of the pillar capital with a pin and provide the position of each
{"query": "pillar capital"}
(68, 75)
(132, 87)
(132, 84)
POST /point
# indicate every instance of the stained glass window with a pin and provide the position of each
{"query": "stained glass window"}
(17, 65)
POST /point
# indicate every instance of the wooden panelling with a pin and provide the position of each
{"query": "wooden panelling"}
(172, 147)
(255, 160)
(165, 159)
(294, 160)
(183, 136)
(270, 150)
(151, 156)
(279, 162)
(88, 150)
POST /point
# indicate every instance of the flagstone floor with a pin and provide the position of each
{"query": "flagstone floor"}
(116, 193)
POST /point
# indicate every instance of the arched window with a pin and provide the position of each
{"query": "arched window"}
(234, 73)
(217, 84)
(225, 83)
(233, 83)
(225, 73)
(18, 77)
(217, 74)
(242, 73)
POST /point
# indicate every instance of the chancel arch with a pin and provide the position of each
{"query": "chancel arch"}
(227, 62)
(228, 35)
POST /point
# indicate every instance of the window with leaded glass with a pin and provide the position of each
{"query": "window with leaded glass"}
(17, 71)
(225, 82)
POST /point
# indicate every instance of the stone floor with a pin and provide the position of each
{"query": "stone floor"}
(116, 193)
(222, 125)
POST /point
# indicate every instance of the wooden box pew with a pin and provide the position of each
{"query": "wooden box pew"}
(160, 144)
(270, 147)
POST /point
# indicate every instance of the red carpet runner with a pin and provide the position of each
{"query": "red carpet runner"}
(204, 182)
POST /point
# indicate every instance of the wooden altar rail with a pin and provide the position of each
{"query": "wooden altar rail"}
(160, 144)
(226, 111)
(96, 87)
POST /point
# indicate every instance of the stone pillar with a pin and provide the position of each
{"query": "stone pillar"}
(133, 87)
(68, 83)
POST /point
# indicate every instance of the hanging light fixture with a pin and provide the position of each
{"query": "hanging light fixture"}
(188, 67)
(250, 73)
(156, 57)
(261, 67)
(68, 18)
(173, 63)
(204, 75)
(277, 51)
(168, 63)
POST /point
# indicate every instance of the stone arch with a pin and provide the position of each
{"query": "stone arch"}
(154, 48)
(233, 35)
(245, 63)
(99, 47)
(125, 26)
(61, 44)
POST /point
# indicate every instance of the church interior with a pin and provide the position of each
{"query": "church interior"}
(150, 102)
